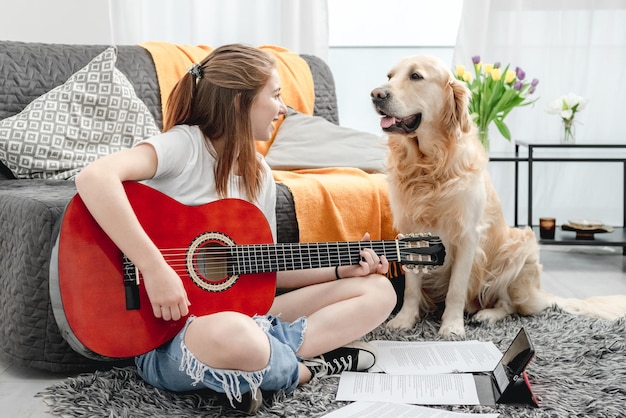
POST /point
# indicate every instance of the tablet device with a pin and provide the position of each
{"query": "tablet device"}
(508, 382)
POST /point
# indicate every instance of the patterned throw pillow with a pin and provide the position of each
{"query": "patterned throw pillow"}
(96, 112)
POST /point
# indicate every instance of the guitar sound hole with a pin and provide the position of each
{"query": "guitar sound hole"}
(207, 262)
(211, 262)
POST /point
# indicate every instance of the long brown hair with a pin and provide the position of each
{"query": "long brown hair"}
(217, 96)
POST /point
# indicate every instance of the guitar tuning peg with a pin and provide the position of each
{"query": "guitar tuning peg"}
(416, 268)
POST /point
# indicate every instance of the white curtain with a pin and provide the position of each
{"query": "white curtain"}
(570, 46)
(299, 25)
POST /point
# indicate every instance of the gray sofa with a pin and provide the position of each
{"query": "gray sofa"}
(30, 210)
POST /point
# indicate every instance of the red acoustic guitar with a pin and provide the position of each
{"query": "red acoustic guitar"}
(221, 250)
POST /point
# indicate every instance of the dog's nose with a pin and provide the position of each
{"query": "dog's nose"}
(379, 94)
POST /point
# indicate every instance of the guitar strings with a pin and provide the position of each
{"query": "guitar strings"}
(214, 258)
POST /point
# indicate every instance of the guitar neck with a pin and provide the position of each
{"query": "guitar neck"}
(262, 258)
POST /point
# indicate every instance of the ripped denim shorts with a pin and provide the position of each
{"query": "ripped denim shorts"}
(173, 367)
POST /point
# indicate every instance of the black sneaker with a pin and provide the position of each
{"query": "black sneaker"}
(358, 356)
(250, 402)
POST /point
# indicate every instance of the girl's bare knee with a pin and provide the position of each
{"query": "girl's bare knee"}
(228, 340)
(384, 292)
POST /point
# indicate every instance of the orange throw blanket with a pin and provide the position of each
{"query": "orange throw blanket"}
(171, 62)
(339, 204)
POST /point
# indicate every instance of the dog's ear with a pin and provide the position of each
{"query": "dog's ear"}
(456, 113)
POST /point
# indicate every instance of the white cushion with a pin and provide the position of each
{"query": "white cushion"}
(308, 142)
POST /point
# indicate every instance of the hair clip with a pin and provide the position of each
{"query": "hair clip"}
(195, 70)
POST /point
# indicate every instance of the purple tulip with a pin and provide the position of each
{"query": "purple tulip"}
(518, 85)
(520, 74)
(476, 59)
(496, 65)
(534, 82)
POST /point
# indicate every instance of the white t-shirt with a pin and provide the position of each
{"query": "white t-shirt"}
(185, 172)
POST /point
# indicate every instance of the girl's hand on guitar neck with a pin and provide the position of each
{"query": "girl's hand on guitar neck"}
(370, 263)
(166, 292)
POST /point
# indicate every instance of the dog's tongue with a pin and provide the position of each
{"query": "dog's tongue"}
(387, 121)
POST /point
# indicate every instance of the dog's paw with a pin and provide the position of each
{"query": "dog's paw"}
(401, 321)
(452, 329)
(491, 316)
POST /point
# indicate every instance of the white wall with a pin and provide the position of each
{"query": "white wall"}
(358, 70)
(367, 37)
(56, 21)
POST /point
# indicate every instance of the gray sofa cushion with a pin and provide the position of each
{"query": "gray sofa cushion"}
(28, 70)
(94, 113)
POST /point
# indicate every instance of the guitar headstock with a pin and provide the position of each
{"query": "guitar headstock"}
(421, 251)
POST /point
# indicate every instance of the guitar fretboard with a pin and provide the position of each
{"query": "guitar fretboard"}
(259, 258)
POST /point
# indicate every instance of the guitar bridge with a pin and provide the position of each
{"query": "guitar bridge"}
(131, 284)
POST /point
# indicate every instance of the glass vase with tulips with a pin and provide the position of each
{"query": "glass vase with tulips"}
(495, 92)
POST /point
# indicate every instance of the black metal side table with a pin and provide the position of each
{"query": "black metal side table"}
(615, 238)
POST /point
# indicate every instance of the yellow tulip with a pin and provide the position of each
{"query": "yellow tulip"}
(467, 76)
(509, 76)
(488, 68)
(460, 70)
(496, 74)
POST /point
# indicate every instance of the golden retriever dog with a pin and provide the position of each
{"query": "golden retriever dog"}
(438, 182)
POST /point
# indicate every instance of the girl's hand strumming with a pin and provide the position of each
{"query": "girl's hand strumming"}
(166, 293)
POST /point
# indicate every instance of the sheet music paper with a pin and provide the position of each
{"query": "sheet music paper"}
(432, 389)
(403, 357)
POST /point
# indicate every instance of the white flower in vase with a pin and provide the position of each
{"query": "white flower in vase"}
(567, 106)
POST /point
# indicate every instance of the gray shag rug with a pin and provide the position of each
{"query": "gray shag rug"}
(579, 371)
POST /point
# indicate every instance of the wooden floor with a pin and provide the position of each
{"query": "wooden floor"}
(568, 271)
